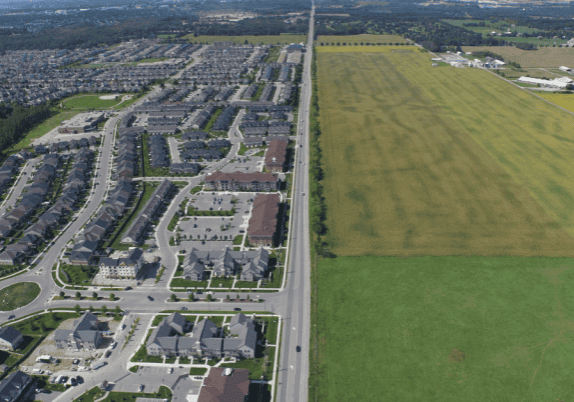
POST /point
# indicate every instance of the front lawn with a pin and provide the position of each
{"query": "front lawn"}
(142, 356)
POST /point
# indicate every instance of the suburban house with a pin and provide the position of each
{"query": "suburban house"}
(226, 262)
(10, 337)
(225, 385)
(263, 221)
(167, 339)
(255, 181)
(83, 335)
(14, 385)
(127, 267)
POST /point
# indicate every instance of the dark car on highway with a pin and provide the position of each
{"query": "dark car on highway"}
(150, 298)
(298, 348)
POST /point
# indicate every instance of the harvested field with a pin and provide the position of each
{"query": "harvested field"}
(418, 167)
(365, 38)
(442, 329)
(563, 100)
(543, 57)
(367, 49)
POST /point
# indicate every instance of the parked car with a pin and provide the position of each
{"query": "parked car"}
(170, 370)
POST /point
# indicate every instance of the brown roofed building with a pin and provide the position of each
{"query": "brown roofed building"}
(263, 222)
(275, 156)
(225, 385)
(255, 181)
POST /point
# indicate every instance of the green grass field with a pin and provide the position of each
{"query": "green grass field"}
(417, 167)
(91, 102)
(263, 39)
(18, 295)
(42, 129)
(365, 38)
(552, 57)
(445, 329)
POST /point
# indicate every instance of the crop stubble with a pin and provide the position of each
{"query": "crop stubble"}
(441, 161)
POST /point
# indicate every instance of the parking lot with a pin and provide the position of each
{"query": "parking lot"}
(245, 164)
(224, 227)
(152, 378)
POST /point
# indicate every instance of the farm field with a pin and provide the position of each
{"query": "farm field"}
(415, 167)
(263, 39)
(552, 57)
(563, 100)
(365, 38)
(501, 27)
(444, 329)
(367, 49)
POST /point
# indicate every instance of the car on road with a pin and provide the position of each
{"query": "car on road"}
(150, 298)
(236, 309)
(170, 370)
(11, 316)
(113, 344)
(298, 348)
(183, 308)
(141, 388)
(80, 379)
(302, 193)
(128, 288)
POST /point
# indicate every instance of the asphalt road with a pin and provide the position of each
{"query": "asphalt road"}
(293, 376)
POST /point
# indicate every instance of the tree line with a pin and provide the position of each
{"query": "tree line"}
(19, 121)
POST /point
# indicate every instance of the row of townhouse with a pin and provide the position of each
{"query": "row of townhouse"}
(8, 171)
(204, 341)
(125, 267)
(60, 146)
(33, 196)
(213, 144)
(261, 128)
(203, 117)
(286, 93)
(285, 73)
(137, 230)
(127, 146)
(267, 93)
(89, 241)
(254, 264)
(250, 91)
(73, 189)
(225, 119)
(158, 151)
(224, 94)
(239, 181)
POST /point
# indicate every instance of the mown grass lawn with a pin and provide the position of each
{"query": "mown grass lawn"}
(444, 329)
(18, 295)
(416, 167)
(92, 102)
(42, 324)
